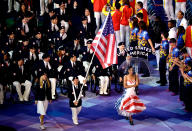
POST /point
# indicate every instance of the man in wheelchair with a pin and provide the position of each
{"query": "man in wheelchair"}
(102, 75)
(21, 76)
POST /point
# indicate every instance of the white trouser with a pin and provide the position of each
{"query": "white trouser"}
(104, 81)
(144, 3)
(80, 77)
(189, 51)
(53, 86)
(157, 54)
(15, 4)
(180, 6)
(124, 32)
(44, 6)
(27, 86)
(99, 16)
(75, 111)
(168, 7)
(117, 37)
(1, 94)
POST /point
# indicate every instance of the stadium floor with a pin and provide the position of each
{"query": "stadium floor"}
(164, 113)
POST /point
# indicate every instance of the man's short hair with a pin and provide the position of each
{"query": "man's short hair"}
(172, 40)
(118, 5)
(140, 4)
(181, 13)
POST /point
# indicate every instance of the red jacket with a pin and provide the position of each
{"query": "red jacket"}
(126, 14)
(188, 38)
(116, 18)
(132, 4)
(181, 0)
(98, 5)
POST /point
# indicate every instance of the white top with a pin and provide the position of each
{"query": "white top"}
(47, 63)
(89, 18)
(130, 91)
(172, 33)
(184, 23)
(34, 56)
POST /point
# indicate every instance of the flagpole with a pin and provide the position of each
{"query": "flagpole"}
(103, 26)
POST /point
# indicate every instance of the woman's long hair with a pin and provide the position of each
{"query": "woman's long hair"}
(128, 68)
(135, 22)
(41, 82)
(181, 30)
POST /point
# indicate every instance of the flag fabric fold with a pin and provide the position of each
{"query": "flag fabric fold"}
(104, 44)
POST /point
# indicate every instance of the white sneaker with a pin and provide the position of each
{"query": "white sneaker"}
(26, 99)
(53, 97)
(101, 92)
(41, 14)
(21, 99)
(105, 93)
(42, 127)
(76, 123)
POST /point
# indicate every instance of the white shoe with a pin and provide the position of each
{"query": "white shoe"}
(42, 127)
(41, 14)
(105, 93)
(26, 99)
(21, 99)
(76, 123)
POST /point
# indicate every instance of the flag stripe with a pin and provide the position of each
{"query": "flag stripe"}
(113, 51)
(99, 55)
(104, 44)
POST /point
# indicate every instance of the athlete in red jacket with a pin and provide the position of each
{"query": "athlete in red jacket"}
(97, 7)
(188, 38)
(124, 25)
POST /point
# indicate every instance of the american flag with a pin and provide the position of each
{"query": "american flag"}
(104, 44)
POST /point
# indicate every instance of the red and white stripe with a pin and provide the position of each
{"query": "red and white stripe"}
(132, 105)
(105, 49)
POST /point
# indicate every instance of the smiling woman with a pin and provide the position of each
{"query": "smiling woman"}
(129, 103)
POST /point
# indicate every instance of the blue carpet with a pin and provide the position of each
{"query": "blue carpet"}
(164, 113)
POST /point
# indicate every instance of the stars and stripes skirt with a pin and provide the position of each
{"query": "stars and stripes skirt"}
(129, 103)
